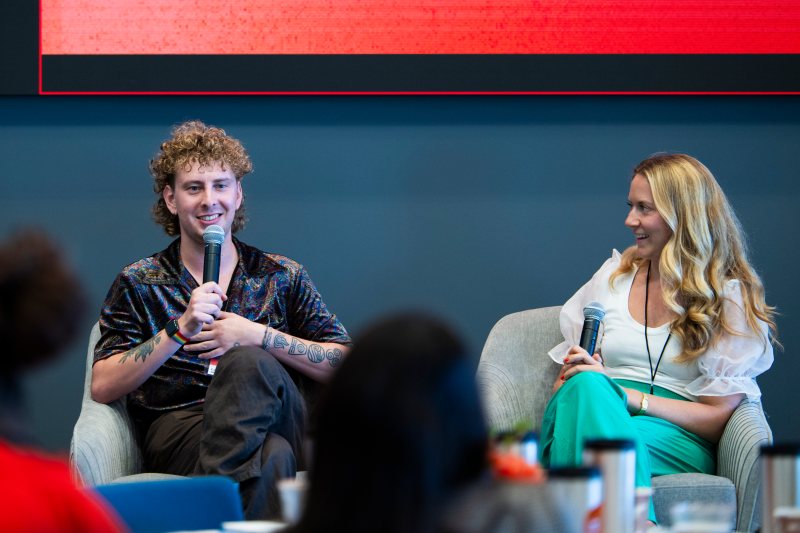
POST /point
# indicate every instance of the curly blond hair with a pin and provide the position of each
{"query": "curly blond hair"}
(195, 142)
(706, 249)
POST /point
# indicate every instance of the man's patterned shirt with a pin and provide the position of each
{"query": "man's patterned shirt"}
(266, 288)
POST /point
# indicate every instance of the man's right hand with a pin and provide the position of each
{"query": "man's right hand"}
(204, 307)
(121, 373)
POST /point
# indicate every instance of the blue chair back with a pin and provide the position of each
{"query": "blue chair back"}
(174, 504)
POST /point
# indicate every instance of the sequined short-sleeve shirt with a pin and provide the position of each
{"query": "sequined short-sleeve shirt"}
(266, 288)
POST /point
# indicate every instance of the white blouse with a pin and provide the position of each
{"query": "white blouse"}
(728, 367)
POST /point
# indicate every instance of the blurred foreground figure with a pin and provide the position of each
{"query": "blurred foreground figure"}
(401, 444)
(41, 305)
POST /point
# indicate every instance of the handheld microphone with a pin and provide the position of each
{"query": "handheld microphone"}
(213, 237)
(593, 314)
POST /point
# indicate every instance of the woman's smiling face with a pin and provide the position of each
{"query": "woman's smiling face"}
(649, 228)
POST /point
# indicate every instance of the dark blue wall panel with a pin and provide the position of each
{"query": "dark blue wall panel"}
(470, 207)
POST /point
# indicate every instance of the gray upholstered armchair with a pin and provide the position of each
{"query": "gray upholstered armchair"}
(516, 376)
(104, 447)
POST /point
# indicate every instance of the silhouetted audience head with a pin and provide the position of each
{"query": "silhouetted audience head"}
(41, 306)
(399, 431)
(41, 301)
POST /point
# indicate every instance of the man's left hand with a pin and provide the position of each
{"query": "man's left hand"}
(227, 331)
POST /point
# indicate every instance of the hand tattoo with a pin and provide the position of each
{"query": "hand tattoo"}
(141, 351)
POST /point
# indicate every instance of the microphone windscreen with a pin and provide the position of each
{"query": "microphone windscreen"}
(593, 310)
(214, 235)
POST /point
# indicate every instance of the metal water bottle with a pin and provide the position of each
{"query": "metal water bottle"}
(780, 472)
(582, 488)
(617, 462)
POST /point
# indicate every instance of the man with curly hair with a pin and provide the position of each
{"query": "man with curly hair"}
(217, 375)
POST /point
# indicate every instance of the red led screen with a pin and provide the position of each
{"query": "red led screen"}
(421, 27)
(421, 47)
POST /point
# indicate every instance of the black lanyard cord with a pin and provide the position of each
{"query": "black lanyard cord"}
(646, 342)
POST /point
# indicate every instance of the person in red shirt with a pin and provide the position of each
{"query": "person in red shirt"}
(41, 305)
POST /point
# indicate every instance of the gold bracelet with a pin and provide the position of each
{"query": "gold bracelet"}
(643, 405)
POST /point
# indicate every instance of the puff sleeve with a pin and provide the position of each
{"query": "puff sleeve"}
(731, 365)
(571, 317)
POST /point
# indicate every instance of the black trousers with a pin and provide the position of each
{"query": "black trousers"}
(250, 428)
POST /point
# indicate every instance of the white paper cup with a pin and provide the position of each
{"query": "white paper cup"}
(698, 517)
(293, 495)
(252, 526)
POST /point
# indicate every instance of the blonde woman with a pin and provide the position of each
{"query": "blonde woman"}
(686, 330)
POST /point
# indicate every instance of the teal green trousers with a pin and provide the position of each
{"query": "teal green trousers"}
(592, 406)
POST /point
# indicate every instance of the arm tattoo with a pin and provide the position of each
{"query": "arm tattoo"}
(334, 357)
(267, 339)
(141, 351)
(280, 341)
(297, 347)
(316, 353)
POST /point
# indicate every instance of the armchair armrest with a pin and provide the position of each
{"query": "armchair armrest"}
(738, 460)
(501, 397)
(104, 445)
(515, 374)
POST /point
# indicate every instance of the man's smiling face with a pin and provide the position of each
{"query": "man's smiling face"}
(203, 195)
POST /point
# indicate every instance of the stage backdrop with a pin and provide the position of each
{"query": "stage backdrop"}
(398, 46)
(468, 207)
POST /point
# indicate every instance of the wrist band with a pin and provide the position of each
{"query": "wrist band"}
(643, 405)
(180, 338)
(174, 332)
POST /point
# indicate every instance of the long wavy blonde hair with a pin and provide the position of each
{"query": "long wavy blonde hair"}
(707, 248)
